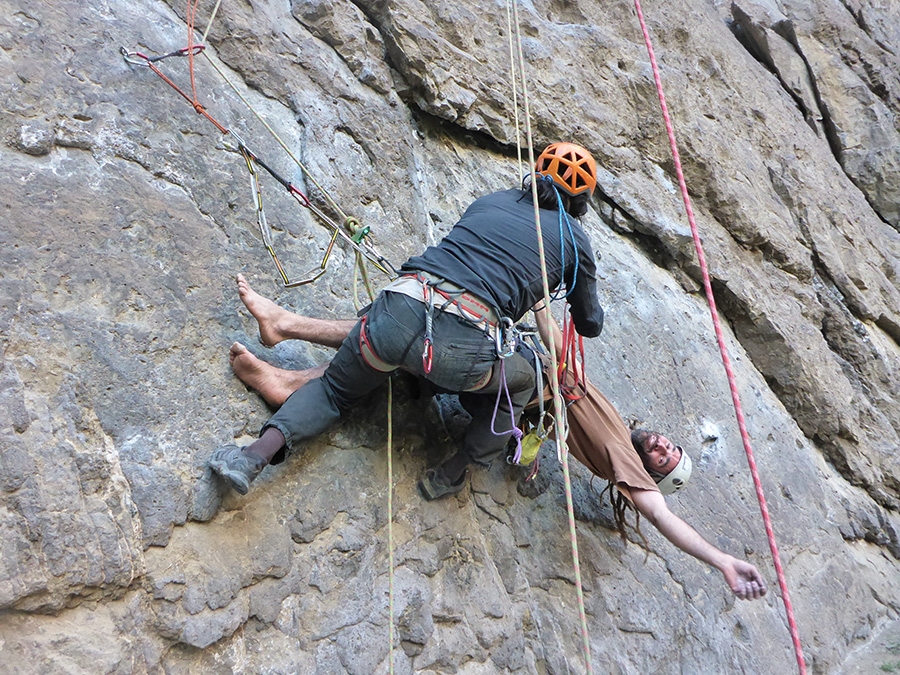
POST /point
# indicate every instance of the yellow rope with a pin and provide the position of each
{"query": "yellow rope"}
(390, 472)
(212, 17)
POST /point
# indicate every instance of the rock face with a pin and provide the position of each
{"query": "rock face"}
(126, 216)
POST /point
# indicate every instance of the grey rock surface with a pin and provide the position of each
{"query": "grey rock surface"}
(126, 216)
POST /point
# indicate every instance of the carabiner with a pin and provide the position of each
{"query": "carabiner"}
(428, 343)
(427, 356)
(505, 338)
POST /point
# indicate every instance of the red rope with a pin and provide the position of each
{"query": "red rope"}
(571, 381)
(197, 105)
(798, 650)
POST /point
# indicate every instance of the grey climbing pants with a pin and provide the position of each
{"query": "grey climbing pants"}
(463, 356)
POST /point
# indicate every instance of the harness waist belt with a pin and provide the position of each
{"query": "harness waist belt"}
(457, 300)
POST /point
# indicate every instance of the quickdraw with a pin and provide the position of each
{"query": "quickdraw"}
(428, 341)
(352, 233)
(355, 241)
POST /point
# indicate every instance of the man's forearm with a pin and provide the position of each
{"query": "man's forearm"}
(743, 578)
(652, 506)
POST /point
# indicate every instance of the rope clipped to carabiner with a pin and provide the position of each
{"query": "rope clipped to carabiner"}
(353, 233)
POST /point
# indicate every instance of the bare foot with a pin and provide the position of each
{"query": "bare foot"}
(268, 315)
(273, 384)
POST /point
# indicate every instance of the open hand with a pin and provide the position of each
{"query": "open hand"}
(744, 579)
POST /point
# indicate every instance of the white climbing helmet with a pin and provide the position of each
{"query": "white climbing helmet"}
(678, 477)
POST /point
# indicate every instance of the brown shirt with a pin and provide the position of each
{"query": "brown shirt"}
(599, 439)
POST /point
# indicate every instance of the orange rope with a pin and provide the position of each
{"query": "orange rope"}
(190, 16)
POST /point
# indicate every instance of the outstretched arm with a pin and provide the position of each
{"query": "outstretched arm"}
(743, 578)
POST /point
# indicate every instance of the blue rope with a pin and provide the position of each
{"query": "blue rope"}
(564, 220)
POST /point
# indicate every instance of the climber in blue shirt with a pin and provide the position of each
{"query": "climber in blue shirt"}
(448, 318)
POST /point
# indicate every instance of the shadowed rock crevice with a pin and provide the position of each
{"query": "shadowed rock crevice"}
(874, 526)
(838, 100)
(793, 73)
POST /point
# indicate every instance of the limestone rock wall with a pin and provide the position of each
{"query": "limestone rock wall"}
(126, 216)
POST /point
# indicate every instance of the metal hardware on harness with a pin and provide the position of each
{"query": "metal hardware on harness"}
(505, 338)
(457, 300)
(428, 344)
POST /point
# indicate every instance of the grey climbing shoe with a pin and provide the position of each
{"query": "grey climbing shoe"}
(435, 484)
(236, 467)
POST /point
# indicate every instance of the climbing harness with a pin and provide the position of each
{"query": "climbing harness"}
(426, 287)
(368, 352)
(723, 349)
(351, 232)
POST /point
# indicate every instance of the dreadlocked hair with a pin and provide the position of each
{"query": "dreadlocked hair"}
(620, 507)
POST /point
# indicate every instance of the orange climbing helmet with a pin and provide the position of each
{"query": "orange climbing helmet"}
(570, 166)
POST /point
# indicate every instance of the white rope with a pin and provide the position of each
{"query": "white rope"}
(513, 78)
(558, 406)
